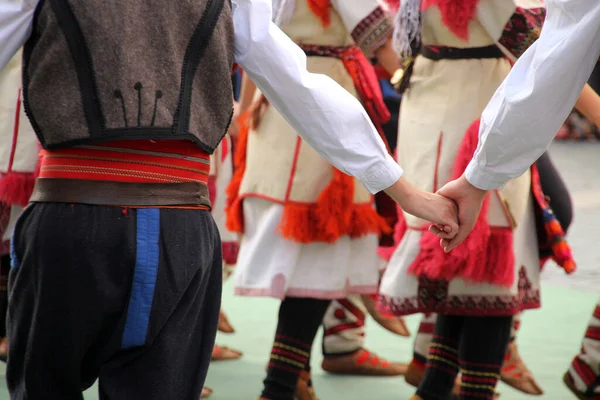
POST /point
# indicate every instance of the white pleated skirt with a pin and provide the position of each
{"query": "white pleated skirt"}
(270, 265)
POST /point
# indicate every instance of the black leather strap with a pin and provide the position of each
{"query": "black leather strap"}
(455, 53)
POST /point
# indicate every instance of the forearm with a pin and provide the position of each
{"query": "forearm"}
(388, 58)
(588, 104)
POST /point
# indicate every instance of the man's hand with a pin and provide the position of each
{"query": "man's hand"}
(469, 200)
(428, 206)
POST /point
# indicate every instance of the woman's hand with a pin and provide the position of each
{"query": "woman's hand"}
(469, 200)
(428, 206)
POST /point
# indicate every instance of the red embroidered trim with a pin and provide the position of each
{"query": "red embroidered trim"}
(373, 31)
(433, 297)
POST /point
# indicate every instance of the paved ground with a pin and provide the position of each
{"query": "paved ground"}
(548, 340)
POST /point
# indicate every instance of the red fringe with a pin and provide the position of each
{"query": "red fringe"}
(16, 187)
(321, 9)
(457, 15)
(485, 256)
(234, 208)
(333, 215)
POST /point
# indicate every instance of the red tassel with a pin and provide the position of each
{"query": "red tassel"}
(16, 187)
(486, 255)
(321, 9)
(234, 207)
(332, 216)
(500, 266)
(457, 15)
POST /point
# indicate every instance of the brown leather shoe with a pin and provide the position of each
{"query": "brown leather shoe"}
(393, 324)
(206, 392)
(414, 374)
(363, 363)
(224, 324)
(516, 374)
(224, 353)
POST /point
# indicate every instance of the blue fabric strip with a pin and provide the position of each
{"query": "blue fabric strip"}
(14, 260)
(144, 278)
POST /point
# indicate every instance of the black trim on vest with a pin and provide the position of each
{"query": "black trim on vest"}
(195, 50)
(27, 50)
(83, 65)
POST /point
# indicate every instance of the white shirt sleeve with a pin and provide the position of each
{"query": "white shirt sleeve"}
(16, 18)
(527, 110)
(325, 115)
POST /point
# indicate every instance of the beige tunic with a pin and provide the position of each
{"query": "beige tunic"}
(444, 99)
(281, 170)
(280, 167)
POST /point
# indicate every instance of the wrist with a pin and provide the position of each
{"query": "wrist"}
(470, 187)
(401, 192)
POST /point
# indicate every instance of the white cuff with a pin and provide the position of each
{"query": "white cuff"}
(381, 176)
(482, 179)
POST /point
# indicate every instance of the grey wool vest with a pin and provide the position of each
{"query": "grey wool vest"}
(102, 70)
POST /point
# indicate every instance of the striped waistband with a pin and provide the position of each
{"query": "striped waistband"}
(130, 161)
(140, 173)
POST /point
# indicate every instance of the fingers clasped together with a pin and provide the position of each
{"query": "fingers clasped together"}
(453, 210)
(467, 201)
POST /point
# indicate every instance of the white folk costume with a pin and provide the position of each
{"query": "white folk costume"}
(466, 52)
(19, 147)
(309, 229)
(557, 66)
(19, 150)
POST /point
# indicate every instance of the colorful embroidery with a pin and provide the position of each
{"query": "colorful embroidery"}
(373, 31)
(522, 30)
(434, 297)
(555, 235)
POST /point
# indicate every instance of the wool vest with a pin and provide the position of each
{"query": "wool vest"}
(97, 71)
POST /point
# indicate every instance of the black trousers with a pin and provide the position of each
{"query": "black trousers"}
(128, 296)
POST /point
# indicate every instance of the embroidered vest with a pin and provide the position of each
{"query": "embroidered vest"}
(129, 69)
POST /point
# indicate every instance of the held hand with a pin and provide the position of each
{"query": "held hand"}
(428, 206)
(469, 200)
